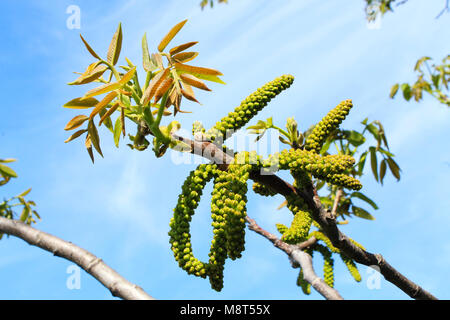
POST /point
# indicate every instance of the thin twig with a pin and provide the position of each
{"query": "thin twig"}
(118, 285)
(299, 257)
(337, 199)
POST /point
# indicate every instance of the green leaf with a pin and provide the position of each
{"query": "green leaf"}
(363, 197)
(117, 131)
(373, 162)
(382, 170)
(420, 62)
(79, 103)
(7, 160)
(7, 171)
(374, 131)
(354, 137)
(93, 134)
(394, 90)
(393, 166)
(115, 46)
(361, 213)
(406, 91)
(23, 194)
(147, 62)
(362, 162)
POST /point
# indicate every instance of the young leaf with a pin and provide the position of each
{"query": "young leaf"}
(181, 47)
(76, 122)
(363, 197)
(153, 86)
(406, 91)
(103, 103)
(393, 166)
(394, 90)
(147, 62)
(91, 51)
(93, 72)
(93, 134)
(117, 131)
(184, 57)
(193, 81)
(382, 170)
(203, 77)
(108, 113)
(115, 46)
(196, 70)
(163, 88)
(23, 194)
(106, 120)
(4, 170)
(188, 93)
(170, 35)
(361, 213)
(79, 103)
(111, 86)
(88, 144)
(75, 135)
(373, 162)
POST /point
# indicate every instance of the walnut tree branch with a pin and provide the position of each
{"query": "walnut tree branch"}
(298, 256)
(323, 217)
(119, 286)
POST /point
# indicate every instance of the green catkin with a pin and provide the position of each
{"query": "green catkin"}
(250, 107)
(263, 190)
(180, 238)
(351, 266)
(321, 236)
(281, 228)
(301, 224)
(301, 282)
(327, 125)
(328, 262)
(197, 127)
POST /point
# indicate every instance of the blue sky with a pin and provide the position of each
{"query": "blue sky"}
(119, 208)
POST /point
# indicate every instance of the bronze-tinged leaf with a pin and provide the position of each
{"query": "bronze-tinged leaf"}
(283, 204)
(92, 73)
(75, 135)
(108, 113)
(91, 51)
(188, 93)
(199, 70)
(103, 103)
(79, 103)
(163, 88)
(184, 57)
(153, 86)
(115, 46)
(182, 47)
(107, 87)
(170, 35)
(76, 122)
(94, 137)
(88, 144)
(193, 81)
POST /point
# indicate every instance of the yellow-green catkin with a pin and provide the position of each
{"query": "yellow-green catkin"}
(351, 266)
(301, 224)
(197, 127)
(302, 283)
(281, 228)
(263, 190)
(328, 263)
(180, 237)
(321, 236)
(250, 107)
(327, 125)
(328, 168)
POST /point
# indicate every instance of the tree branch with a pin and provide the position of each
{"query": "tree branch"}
(298, 257)
(119, 286)
(337, 199)
(323, 217)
